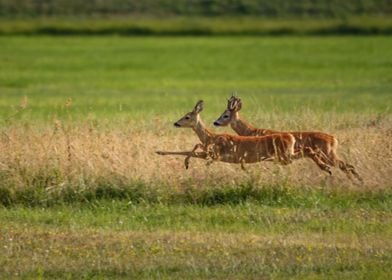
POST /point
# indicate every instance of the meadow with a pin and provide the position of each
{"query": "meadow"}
(83, 194)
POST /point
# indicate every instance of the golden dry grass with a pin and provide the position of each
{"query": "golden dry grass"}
(86, 240)
(83, 156)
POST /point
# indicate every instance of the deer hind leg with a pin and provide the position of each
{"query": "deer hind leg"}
(349, 170)
(321, 164)
(318, 158)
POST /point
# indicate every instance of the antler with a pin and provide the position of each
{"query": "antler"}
(233, 102)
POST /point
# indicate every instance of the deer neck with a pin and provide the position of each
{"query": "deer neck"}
(241, 127)
(202, 132)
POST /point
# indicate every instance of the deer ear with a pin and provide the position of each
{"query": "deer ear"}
(199, 106)
(234, 103)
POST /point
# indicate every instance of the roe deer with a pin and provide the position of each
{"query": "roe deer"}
(318, 146)
(232, 148)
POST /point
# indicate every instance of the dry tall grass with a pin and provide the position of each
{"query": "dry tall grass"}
(82, 156)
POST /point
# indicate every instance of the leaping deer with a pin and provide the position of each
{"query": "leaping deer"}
(232, 148)
(318, 146)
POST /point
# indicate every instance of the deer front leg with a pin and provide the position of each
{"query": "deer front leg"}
(186, 162)
(213, 153)
(164, 153)
(197, 146)
(188, 154)
(193, 154)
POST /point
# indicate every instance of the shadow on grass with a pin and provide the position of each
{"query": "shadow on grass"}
(340, 29)
(139, 192)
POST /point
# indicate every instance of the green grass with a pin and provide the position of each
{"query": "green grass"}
(120, 240)
(319, 213)
(229, 232)
(114, 77)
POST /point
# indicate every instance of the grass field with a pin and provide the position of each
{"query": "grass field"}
(249, 240)
(131, 77)
(83, 195)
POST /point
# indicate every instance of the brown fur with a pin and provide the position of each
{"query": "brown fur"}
(234, 149)
(318, 146)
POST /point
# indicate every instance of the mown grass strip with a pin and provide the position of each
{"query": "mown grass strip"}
(52, 253)
(250, 217)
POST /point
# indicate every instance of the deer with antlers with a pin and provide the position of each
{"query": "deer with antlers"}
(232, 148)
(318, 146)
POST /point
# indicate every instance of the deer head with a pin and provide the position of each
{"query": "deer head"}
(192, 118)
(234, 104)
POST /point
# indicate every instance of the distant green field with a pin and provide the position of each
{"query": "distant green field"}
(261, 8)
(115, 77)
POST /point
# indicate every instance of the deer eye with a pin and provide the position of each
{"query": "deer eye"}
(187, 117)
(225, 116)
